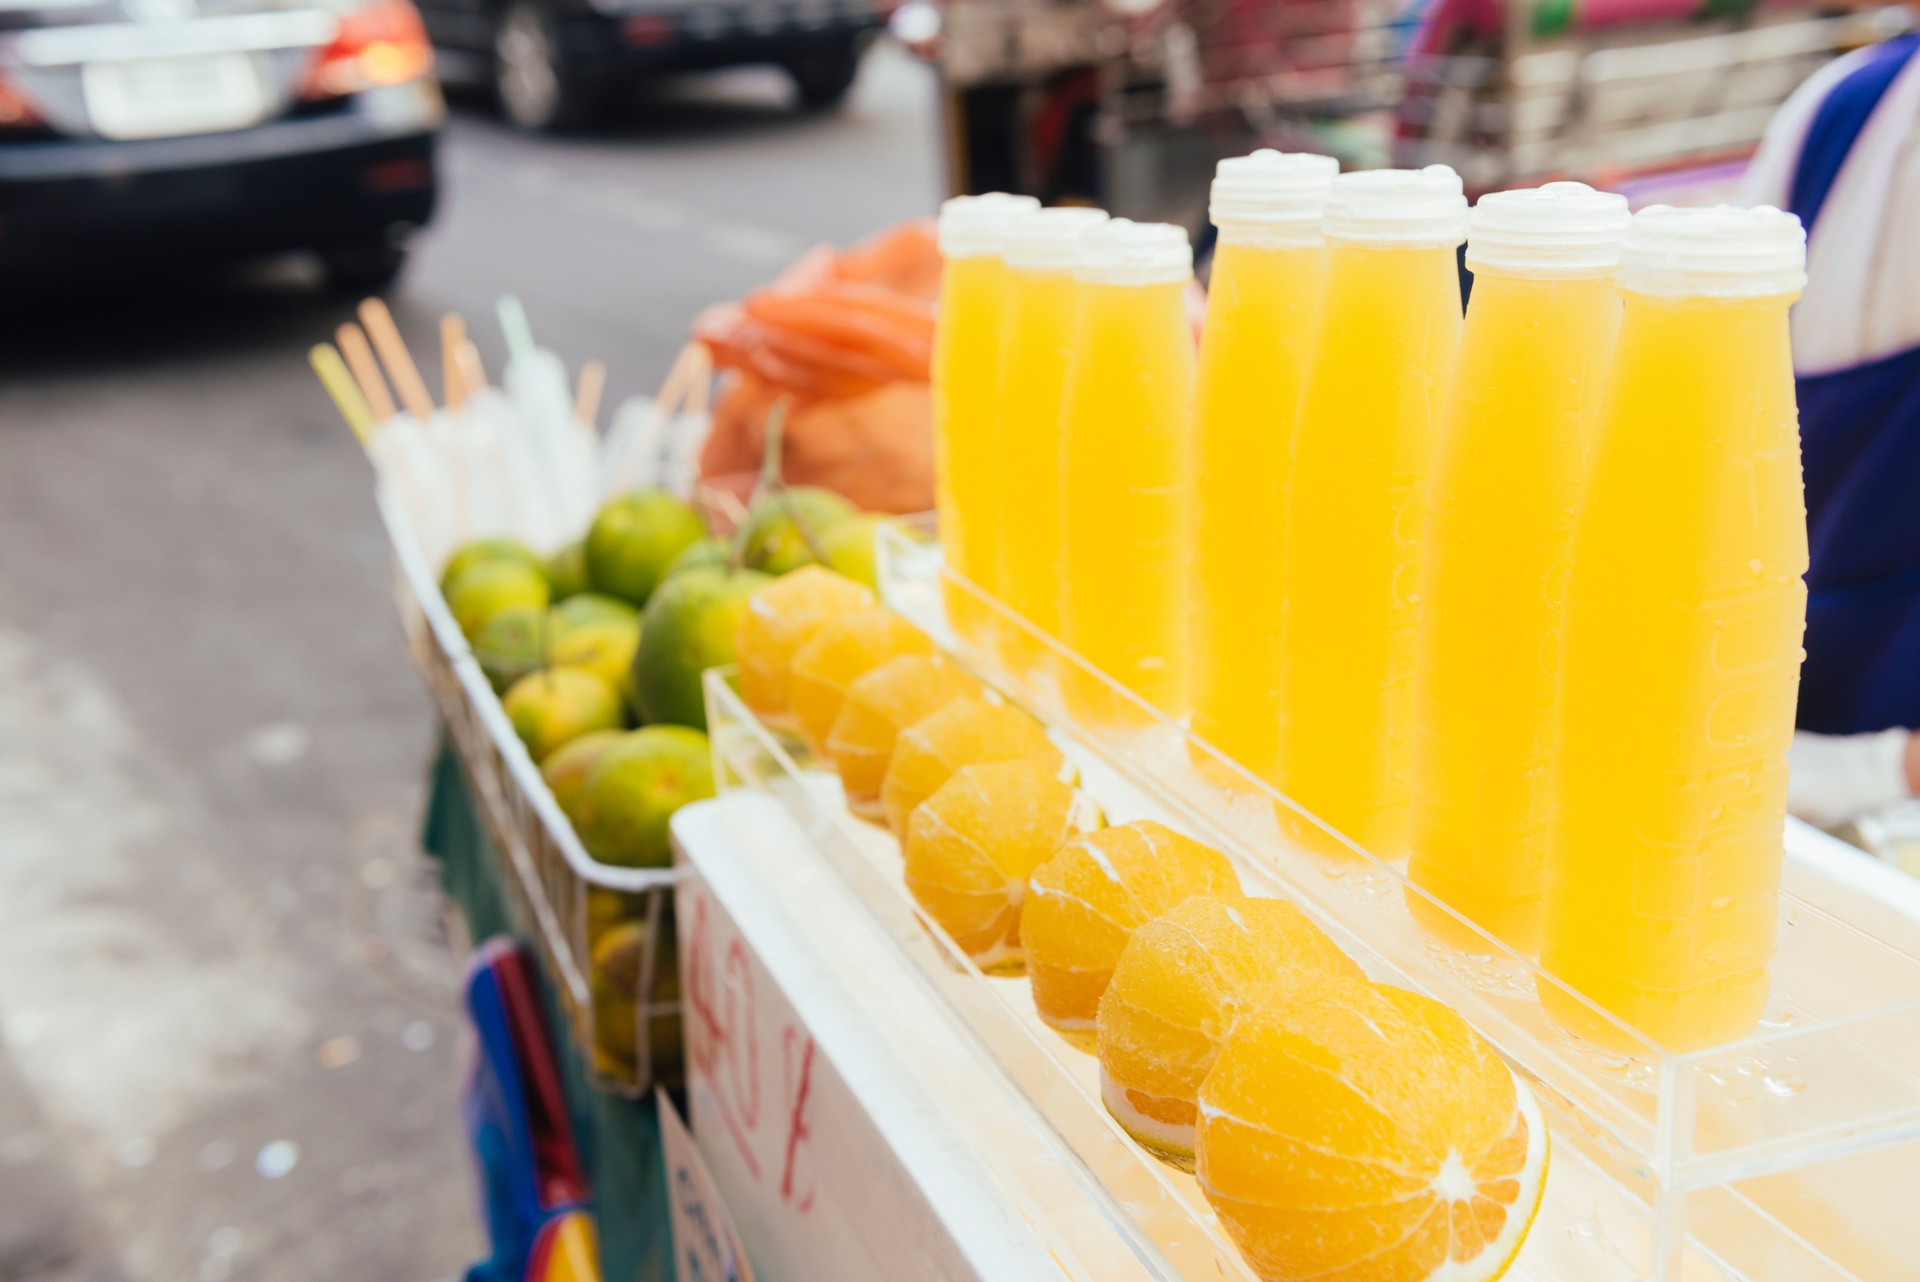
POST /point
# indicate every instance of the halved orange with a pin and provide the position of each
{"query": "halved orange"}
(841, 651)
(878, 706)
(1085, 903)
(782, 617)
(1362, 1133)
(966, 732)
(1181, 983)
(972, 844)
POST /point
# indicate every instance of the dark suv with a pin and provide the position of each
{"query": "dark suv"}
(138, 132)
(555, 63)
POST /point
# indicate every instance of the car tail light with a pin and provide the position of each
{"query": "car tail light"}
(648, 29)
(15, 109)
(383, 43)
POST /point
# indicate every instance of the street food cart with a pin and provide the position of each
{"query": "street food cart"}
(1128, 106)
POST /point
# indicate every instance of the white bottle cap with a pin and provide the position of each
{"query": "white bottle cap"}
(1123, 252)
(1279, 192)
(972, 226)
(1398, 207)
(1049, 239)
(1561, 229)
(1722, 251)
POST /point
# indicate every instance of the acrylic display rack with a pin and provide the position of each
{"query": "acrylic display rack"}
(1788, 1156)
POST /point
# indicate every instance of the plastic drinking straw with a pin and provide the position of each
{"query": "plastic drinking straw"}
(334, 376)
(593, 382)
(394, 355)
(513, 323)
(366, 371)
(472, 373)
(453, 384)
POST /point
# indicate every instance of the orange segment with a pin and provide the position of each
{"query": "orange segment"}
(1178, 988)
(967, 732)
(972, 844)
(1361, 1133)
(841, 651)
(781, 618)
(878, 706)
(1085, 902)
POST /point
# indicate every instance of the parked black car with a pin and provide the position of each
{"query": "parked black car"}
(554, 64)
(167, 131)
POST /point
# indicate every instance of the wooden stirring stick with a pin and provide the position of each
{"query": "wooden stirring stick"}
(366, 371)
(394, 355)
(586, 401)
(453, 332)
(340, 386)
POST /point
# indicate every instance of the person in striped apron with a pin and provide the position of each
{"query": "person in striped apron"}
(1843, 153)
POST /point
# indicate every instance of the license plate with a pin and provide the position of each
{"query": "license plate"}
(165, 97)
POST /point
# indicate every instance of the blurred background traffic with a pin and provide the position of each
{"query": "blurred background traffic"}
(228, 1034)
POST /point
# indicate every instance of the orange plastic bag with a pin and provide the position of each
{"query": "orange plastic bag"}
(848, 338)
(876, 448)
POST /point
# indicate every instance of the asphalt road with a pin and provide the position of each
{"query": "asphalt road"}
(228, 1044)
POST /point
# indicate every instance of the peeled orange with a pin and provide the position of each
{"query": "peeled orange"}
(966, 732)
(1179, 986)
(973, 843)
(1366, 1134)
(781, 618)
(1085, 903)
(845, 648)
(878, 706)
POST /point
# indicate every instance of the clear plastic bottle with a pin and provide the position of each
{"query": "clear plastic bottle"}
(1042, 297)
(1263, 309)
(1377, 386)
(1534, 354)
(966, 388)
(1126, 419)
(1685, 609)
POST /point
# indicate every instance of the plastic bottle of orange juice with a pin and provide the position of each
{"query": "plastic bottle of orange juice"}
(1539, 336)
(1363, 450)
(1684, 614)
(966, 387)
(1041, 249)
(1126, 416)
(1262, 312)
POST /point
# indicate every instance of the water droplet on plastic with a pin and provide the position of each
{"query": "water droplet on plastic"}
(277, 1159)
(1588, 1228)
(1784, 1085)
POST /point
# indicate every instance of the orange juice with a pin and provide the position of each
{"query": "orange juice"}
(1684, 614)
(1126, 416)
(966, 388)
(1363, 450)
(1539, 335)
(1262, 311)
(1041, 300)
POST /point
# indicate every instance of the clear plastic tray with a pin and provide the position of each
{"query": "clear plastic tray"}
(1769, 1158)
(1159, 1212)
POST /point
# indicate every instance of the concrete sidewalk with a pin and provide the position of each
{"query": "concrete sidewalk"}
(46, 1234)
